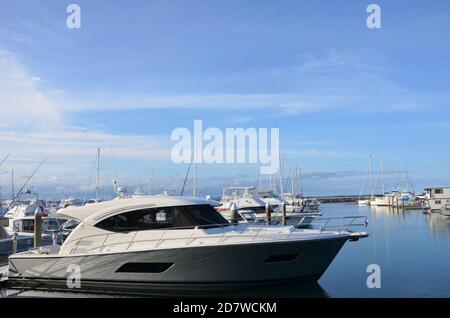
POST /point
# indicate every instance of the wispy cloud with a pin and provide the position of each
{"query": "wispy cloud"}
(60, 144)
(22, 102)
(353, 80)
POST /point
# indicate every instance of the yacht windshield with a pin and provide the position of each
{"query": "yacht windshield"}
(164, 218)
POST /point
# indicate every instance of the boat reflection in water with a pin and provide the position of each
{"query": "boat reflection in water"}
(287, 290)
(439, 224)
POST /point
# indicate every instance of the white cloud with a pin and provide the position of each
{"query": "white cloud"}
(22, 103)
(70, 157)
(63, 144)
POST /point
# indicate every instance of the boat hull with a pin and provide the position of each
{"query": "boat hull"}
(194, 268)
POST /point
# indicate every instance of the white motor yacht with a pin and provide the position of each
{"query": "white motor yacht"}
(272, 199)
(24, 207)
(380, 201)
(363, 202)
(23, 228)
(312, 205)
(293, 204)
(70, 201)
(245, 198)
(175, 243)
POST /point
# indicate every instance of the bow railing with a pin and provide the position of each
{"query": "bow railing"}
(196, 236)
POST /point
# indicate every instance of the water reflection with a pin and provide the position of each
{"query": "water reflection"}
(287, 290)
(439, 224)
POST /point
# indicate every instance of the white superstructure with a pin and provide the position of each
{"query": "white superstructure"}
(437, 198)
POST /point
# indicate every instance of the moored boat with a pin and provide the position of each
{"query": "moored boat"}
(175, 243)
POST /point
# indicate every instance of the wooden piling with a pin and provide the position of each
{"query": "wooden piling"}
(14, 242)
(268, 221)
(234, 214)
(54, 240)
(37, 228)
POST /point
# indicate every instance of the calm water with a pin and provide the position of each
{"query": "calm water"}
(412, 249)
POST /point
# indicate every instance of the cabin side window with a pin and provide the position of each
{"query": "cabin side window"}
(164, 218)
(28, 226)
(139, 220)
(439, 191)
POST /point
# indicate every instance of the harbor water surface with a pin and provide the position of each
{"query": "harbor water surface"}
(411, 248)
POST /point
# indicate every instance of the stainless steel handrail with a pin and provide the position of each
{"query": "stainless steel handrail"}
(341, 226)
(221, 238)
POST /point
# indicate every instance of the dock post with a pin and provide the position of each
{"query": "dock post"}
(37, 228)
(14, 242)
(234, 212)
(283, 213)
(268, 221)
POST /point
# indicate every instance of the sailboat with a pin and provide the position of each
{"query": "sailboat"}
(382, 200)
(97, 183)
(366, 202)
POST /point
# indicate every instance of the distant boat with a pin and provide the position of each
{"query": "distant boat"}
(366, 202)
(380, 201)
(245, 198)
(69, 201)
(436, 197)
(363, 202)
(249, 204)
(272, 199)
(385, 198)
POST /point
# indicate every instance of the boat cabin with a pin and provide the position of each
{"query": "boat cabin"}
(26, 224)
(437, 197)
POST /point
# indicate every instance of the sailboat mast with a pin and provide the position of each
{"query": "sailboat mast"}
(194, 187)
(150, 190)
(13, 192)
(281, 166)
(382, 174)
(260, 181)
(301, 182)
(97, 187)
(292, 181)
(371, 178)
(274, 180)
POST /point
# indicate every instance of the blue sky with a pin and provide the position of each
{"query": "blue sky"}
(135, 71)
